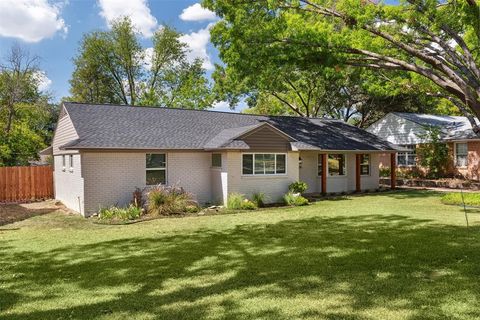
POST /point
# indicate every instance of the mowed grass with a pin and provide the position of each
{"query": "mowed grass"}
(457, 198)
(401, 255)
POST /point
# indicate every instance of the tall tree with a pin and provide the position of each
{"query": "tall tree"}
(430, 40)
(25, 112)
(112, 67)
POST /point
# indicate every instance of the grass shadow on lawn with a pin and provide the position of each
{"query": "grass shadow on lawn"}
(340, 267)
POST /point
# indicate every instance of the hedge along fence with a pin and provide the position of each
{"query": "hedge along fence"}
(20, 184)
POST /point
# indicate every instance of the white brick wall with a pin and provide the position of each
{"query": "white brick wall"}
(111, 177)
(69, 184)
(191, 170)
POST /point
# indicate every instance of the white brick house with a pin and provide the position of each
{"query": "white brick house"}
(103, 152)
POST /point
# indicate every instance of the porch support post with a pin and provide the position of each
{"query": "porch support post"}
(358, 187)
(324, 173)
(393, 170)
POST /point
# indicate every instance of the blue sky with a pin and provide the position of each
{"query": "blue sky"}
(53, 29)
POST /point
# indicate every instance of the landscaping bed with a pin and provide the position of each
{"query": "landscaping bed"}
(449, 183)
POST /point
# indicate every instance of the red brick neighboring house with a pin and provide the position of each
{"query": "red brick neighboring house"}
(406, 130)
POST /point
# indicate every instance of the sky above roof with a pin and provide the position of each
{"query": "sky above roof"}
(53, 29)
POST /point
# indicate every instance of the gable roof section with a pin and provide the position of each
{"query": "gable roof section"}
(127, 127)
(453, 127)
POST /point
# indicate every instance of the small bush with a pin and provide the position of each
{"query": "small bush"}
(455, 198)
(385, 172)
(298, 187)
(114, 213)
(290, 199)
(248, 205)
(192, 209)
(137, 200)
(235, 200)
(259, 199)
(163, 200)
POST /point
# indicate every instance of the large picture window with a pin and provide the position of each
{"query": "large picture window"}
(264, 163)
(407, 158)
(156, 167)
(461, 154)
(336, 164)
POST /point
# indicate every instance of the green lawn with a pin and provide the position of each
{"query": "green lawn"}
(402, 255)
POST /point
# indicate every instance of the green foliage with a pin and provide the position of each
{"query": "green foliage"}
(235, 200)
(248, 205)
(385, 172)
(164, 200)
(434, 154)
(192, 208)
(291, 199)
(455, 198)
(26, 116)
(376, 56)
(259, 199)
(114, 213)
(113, 67)
(298, 187)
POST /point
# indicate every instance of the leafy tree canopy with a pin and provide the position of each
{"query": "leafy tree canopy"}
(423, 47)
(113, 67)
(26, 116)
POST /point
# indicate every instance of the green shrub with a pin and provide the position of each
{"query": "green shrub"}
(259, 199)
(385, 172)
(234, 201)
(192, 208)
(291, 199)
(114, 213)
(163, 200)
(471, 199)
(298, 187)
(248, 205)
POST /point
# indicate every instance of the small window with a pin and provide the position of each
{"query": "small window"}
(336, 164)
(216, 160)
(407, 158)
(264, 164)
(156, 169)
(320, 165)
(71, 163)
(461, 154)
(365, 164)
(64, 164)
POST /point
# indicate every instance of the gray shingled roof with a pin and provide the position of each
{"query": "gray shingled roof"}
(127, 127)
(453, 127)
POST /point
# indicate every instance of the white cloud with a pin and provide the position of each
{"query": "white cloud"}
(197, 13)
(148, 58)
(137, 10)
(30, 20)
(222, 106)
(44, 82)
(197, 45)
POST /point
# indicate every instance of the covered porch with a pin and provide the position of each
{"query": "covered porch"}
(341, 171)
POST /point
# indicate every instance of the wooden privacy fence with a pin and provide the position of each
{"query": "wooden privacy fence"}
(18, 184)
